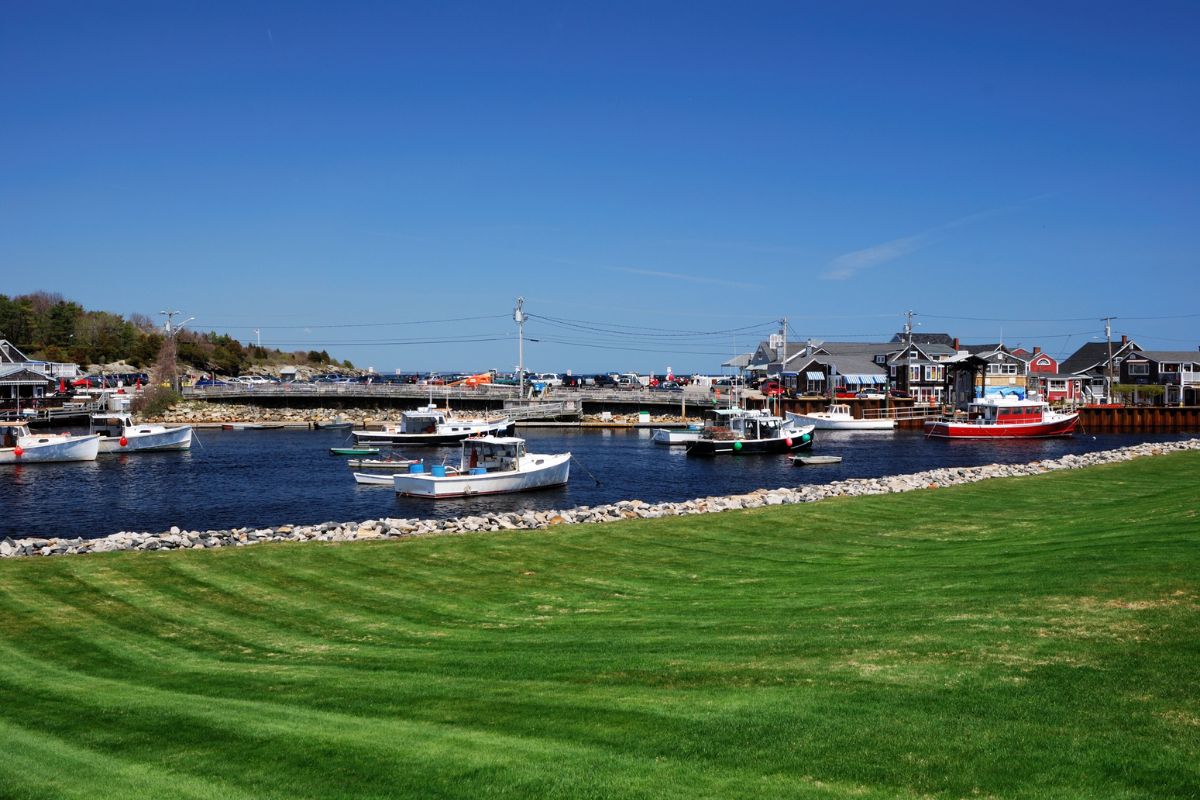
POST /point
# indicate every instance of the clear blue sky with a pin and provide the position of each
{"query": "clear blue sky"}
(686, 172)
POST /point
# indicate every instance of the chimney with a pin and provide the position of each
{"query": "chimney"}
(1124, 340)
(1036, 350)
(956, 344)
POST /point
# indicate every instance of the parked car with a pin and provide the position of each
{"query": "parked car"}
(667, 386)
(203, 382)
(771, 388)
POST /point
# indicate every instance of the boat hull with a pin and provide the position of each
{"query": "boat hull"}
(1063, 425)
(148, 441)
(49, 449)
(372, 479)
(537, 472)
(434, 439)
(675, 436)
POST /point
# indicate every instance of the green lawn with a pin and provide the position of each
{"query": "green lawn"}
(1034, 637)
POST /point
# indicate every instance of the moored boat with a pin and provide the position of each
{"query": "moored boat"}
(813, 461)
(489, 465)
(19, 446)
(373, 479)
(738, 431)
(838, 417)
(1004, 418)
(676, 436)
(119, 434)
(432, 426)
(382, 464)
(354, 451)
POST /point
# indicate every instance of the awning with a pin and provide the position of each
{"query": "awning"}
(865, 379)
(815, 375)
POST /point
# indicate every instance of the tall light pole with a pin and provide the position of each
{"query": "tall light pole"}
(519, 317)
(172, 331)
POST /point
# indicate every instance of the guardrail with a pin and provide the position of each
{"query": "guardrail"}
(442, 393)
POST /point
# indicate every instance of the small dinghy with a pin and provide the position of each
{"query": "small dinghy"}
(813, 461)
(382, 464)
(354, 451)
(373, 479)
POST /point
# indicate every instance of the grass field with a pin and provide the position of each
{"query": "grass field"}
(1035, 637)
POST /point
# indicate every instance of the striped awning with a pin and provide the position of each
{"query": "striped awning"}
(865, 379)
(815, 375)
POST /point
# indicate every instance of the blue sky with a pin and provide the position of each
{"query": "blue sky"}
(660, 181)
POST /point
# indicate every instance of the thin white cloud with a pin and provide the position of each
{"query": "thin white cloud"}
(690, 278)
(850, 264)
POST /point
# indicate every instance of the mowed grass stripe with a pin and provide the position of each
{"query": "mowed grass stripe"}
(1025, 638)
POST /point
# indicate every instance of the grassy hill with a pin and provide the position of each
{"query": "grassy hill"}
(1031, 637)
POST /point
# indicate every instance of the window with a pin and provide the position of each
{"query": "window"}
(1002, 369)
(914, 372)
(1139, 368)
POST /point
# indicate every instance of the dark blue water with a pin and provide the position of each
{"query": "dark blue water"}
(265, 478)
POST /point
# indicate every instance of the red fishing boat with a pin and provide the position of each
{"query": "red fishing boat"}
(1004, 418)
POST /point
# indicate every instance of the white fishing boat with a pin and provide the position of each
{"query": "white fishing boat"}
(489, 465)
(838, 417)
(672, 436)
(429, 425)
(19, 446)
(119, 434)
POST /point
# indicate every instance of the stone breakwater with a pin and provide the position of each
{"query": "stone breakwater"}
(393, 528)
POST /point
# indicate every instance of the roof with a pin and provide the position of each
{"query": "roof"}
(926, 338)
(19, 373)
(1091, 355)
(739, 362)
(1191, 356)
(845, 364)
(9, 354)
(493, 440)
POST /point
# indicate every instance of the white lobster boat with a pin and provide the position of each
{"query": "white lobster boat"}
(19, 446)
(838, 417)
(119, 434)
(431, 426)
(490, 465)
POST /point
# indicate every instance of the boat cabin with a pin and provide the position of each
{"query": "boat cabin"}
(1015, 413)
(111, 423)
(11, 430)
(484, 454)
(422, 420)
(740, 423)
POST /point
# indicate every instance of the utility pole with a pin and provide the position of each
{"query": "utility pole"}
(1108, 376)
(172, 331)
(519, 317)
(782, 364)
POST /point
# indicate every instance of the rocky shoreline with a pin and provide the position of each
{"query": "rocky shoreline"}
(393, 528)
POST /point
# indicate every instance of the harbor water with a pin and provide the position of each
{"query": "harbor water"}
(261, 478)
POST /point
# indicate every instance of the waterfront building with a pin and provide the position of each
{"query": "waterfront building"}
(1089, 362)
(1162, 377)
